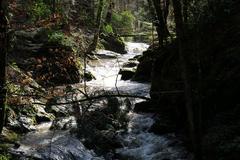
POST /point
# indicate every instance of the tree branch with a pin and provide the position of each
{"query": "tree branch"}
(97, 97)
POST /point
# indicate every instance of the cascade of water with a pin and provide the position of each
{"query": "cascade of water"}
(138, 143)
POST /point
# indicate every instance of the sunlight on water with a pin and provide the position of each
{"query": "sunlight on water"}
(138, 143)
(106, 70)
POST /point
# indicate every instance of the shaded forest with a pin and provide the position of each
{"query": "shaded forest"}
(119, 79)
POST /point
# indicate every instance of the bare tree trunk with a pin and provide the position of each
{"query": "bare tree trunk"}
(160, 20)
(109, 12)
(93, 46)
(165, 16)
(3, 51)
(185, 74)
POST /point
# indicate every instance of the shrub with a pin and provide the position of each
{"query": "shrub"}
(108, 29)
(39, 10)
(58, 37)
(123, 22)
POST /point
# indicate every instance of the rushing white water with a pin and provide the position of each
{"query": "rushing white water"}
(138, 143)
(54, 144)
(106, 70)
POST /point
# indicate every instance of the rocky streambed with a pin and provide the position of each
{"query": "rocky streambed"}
(103, 128)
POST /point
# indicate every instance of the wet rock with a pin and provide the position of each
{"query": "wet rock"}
(137, 57)
(9, 136)
(130, 64)
(106, 55)
(113, 43)
(88, 76)
(58, 110)
(143, 72)
(42, 115)
(14, 124)
(127, 73)
(63, 123)
(27, 124)
(66, 148)
(100, 133)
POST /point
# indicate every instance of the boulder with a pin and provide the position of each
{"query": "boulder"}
(50, 63)
(58, 110)
(88, 76)
(130, 64)
(42, 115)
(113, 43)
(27, 124)
(144, 68)
(127, 73)
(103, 54)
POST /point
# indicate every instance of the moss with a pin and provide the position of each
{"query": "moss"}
(58, 37)
(4, 157)
(100, 45)
(10, 136)
(5, 146)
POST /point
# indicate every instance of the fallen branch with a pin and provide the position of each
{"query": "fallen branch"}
(97, 97)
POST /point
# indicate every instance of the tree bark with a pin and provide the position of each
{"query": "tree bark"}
(93, 46)
(3, 51)
(185, 73)
(160, 20)
(109, 12)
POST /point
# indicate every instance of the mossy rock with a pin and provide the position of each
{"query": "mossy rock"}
(113, 43)
(9, 136)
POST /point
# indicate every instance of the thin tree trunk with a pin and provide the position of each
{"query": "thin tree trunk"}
(155, 21)
(160, 22)
(93, 46)
(185, 74)
(3, 50)
(109, 12)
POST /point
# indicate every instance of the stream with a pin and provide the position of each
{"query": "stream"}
(138, 143)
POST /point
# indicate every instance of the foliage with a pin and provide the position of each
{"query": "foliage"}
(59, 38)
(108, 29)
(11, 136)
(56, 37)
(143, 13)
(123, 22)
(39, 10)
(4, 157)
